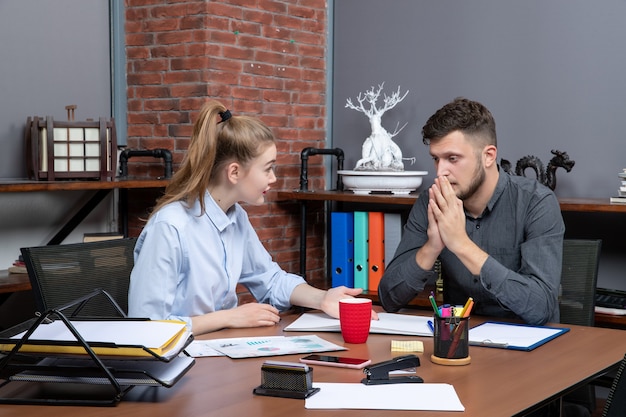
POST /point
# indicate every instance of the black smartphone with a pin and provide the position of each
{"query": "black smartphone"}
(338, 361)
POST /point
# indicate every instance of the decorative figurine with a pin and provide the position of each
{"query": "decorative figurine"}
(379, 151)
(547, 177)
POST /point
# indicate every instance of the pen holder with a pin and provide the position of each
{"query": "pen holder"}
(451, 341)
(286, 380)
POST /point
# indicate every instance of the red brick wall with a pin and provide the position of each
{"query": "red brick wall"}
(259, 57)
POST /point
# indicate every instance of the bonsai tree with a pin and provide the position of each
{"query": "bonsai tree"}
(379, 152)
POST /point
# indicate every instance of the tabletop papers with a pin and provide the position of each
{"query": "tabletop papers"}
(387, 323)
(109, 337)
(512, 335)
(252, 347)
(426, 397)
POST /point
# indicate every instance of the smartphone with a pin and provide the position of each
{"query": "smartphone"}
(354, 363)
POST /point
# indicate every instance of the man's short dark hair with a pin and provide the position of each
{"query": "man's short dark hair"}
(469, 117)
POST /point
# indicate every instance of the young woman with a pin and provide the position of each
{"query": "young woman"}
(199, 244)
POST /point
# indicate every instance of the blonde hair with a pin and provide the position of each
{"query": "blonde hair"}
(217, 139)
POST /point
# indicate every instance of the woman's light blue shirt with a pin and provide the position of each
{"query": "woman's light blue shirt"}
(188, 264)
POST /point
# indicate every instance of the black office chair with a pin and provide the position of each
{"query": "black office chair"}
(579, 278)
(577, 301)
(60, 274)
(615, 405)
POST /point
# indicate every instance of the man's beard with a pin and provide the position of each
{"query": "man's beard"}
(477, 180)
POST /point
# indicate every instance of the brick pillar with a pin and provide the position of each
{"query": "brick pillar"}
(261, 58)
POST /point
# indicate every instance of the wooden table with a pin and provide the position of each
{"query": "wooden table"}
(498, 382)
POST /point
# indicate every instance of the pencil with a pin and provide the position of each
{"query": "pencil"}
(468, 309)
(470, 300)
(434, 304)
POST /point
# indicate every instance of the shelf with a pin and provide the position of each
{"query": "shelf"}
(23, 185)
(590, 205)
(101, 190)
(567, 204)
(348, 196)
(13, 282)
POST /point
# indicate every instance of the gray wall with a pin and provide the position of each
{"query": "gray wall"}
(52, 53)
(551, 71)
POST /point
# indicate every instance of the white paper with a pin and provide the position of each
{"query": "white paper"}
(252, 347)
(416, 396)
(387, 323)
(510, 335)
(201, 348)
(148, 333)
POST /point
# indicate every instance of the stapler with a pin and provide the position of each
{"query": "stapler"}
(379, 373)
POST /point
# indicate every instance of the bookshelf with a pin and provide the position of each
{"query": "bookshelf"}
(578, 205)
(583, 205)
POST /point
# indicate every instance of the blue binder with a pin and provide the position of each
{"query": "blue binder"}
(360, 250)
(342, 249)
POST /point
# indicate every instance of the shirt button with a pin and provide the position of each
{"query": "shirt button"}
(488, 286)
(478, 226)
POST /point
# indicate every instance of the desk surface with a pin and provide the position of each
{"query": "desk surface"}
(498, 382)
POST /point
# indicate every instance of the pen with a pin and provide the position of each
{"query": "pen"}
(431, 297)
(490, 344)
(430, 326)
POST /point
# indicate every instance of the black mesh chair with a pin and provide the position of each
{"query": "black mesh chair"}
(579, 278)
(615, 405)
(577, 301)
(61, 274)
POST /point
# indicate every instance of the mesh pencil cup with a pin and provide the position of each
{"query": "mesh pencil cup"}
(451, 341)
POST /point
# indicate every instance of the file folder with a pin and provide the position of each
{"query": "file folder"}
(360, 250)
(516, 336)
(121, 337)
(393, 233)
(342, 249)
(376, 248)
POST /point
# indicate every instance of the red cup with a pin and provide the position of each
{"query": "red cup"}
(355, 316)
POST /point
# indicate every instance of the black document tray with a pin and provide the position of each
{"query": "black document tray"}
(86, 379)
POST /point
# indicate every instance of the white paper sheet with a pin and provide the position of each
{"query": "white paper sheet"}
(149, 333)
(253, 347)
(387, 323)
(425, 397)
(512, 335)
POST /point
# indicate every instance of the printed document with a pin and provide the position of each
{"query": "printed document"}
(387, 323)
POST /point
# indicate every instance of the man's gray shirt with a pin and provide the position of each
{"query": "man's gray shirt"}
(522, 231)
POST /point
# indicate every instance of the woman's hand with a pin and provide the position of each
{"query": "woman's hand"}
(330, 303)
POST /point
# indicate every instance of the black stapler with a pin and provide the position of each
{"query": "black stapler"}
(379, 373)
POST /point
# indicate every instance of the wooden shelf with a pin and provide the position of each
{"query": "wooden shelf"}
(590, 205)
(567, 204)
(13, 282)
(22, 185)
(347, 196)
(100, 190)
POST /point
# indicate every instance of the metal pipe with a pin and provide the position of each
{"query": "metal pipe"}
(165, 154)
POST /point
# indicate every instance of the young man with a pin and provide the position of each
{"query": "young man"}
(499, 237)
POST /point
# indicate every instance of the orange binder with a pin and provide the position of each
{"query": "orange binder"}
(376, 248)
